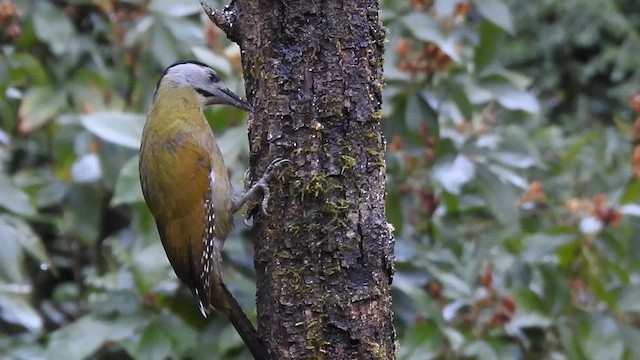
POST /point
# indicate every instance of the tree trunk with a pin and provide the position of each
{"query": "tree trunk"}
(324, 254)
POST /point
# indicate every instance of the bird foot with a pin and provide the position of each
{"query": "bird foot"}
(261, 185)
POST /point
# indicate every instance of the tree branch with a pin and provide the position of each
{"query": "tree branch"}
(226, 19)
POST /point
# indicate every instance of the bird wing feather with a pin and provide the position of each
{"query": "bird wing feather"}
(181, 211)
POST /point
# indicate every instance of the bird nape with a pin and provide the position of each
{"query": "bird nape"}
(186, 186)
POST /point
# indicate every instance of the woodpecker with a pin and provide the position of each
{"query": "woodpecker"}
(187, 188)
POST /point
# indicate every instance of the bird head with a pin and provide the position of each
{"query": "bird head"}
(204, 80)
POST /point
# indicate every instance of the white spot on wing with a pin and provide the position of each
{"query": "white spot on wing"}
(203, 308)
(208, 243)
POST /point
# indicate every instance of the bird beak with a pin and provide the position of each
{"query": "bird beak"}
(227, 97)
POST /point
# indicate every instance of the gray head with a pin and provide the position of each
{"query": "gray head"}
(204, 81)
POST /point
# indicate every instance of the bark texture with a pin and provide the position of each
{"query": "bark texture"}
(324, 254)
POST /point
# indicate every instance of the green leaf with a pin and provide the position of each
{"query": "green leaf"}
(529, 301)
(154, 343)
(81, 338)
(164, 47)
(603, 341)
(151, 266)
(488, 48)
(514, 99)
(569, 339)
(183, 336)
(427, 29)
(445, 8)
(27, 67)
(525, 319)
(234, 146)
(186, 32)
(543, 247)
(477, 94)
(509, 176)
(453, 285)
(457, 92)
(631, 192)
(454, 338)
(480, 350)
(629, 300)
(11, 256)
(414, 112)
(82, 213)
(454, 174)
(78, 340)
(128, 189)
(554, 288)
(394, 211)
(16, 309)
(514, 159)
(496, 12)
(39, 105)
(120, 128)
(53, 27)
(14, 199)
(15, 229)
(135, 33)
(88, 91)
(630, 336)
(424, 341)
(229, 340)
(451, 202)
(86, 169)
(631, 210)
(175, 8)
(52, 193)
(217, 62)
(500, 198)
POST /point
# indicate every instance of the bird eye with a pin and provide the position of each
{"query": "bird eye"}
(213, 77)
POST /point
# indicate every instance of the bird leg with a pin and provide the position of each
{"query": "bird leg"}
(261, 185)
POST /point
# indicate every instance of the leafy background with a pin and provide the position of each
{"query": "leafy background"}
(512, 179)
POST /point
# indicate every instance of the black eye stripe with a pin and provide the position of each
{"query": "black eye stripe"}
(204, 93)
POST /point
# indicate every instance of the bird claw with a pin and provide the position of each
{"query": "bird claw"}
(268, 175)
(263, 185)
(275, 164)
(266, 194)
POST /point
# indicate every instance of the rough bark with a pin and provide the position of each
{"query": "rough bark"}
(324, 254)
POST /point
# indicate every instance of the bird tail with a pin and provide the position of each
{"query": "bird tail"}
(223, 301)
(243, 326)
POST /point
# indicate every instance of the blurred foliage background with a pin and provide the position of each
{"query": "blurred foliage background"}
(513, 179)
